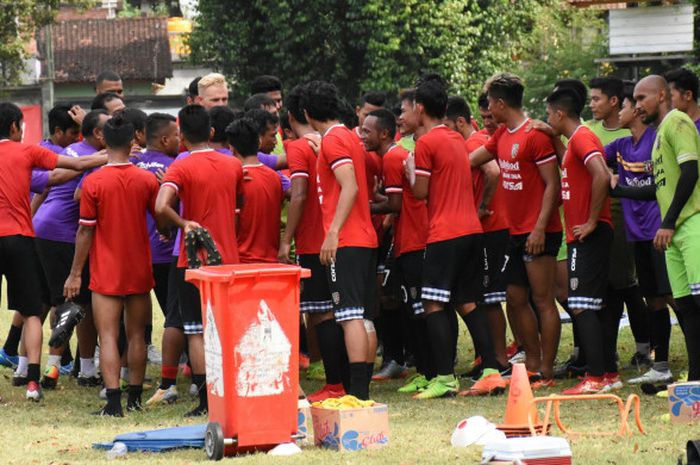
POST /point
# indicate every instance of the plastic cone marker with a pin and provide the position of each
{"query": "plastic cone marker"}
(519, 408)
(470, 430)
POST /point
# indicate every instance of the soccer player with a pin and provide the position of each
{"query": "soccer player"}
(410, 235)
(605, 104)
(212, 91)
(109, 81)
(675, 161)
(452, 255)
(121, 279)
(487, 120)
(162, 142)
(262, 102)
(493, 221)
(259, 217)
(585, 183)
(347, 250)
(632, 158)
(18, 258)
(109, 101)
(268, 131)
(269, 85)
(207, 184)
(220, 117)
(305, 227)
(56, 224)
(684, 92)
(192, 91)
(529, 176)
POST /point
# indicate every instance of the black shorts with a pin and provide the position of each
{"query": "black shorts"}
(651, 270)
(385, 253)
(173, 318)
(495, 247)
(588, 265)
(352, 282)
(410, 273)
(56, 261)
(516, 258)
(315, 295)
(190, 305)
(20, 266)
(161, 272)
(452, 270)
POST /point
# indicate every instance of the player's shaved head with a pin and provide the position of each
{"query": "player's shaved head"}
(653, 98)
(653, 83)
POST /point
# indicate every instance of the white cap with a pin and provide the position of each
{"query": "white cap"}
(471, 430)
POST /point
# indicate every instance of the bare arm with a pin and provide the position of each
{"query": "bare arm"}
(82, 163)
(491, 175)
(38, 199)
(600, 180)
(345, 175)
(391, 204)
(295, 211)
(480, 156)
(83, 242)
(166, 216)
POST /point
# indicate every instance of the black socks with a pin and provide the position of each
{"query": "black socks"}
(134, 400)
(12, 341)
(332, 347)
(201, 382)
(660, 333)
(359, 382)
(441, 341)
(33, 372)
(591, 341)
(114, 404)
(689, 313)
(478, 325)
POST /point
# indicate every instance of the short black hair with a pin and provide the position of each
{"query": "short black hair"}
(628, 90)
(136, 116)
(265, 83)
(293, 104)
(609, 85)
(155, 123)
(483, 101)
(107, 76)
(258, 101)
(386, 120)
(431, 92)
(243, 136)
(193, 88)
(407, 95)
(119, 131)
(9, 114)
(684, 80)
(375, 98)
(100, 101)
(320, 101)
(262, 119)
(220, 116)
(566, 100)
(577, 86)
(91, 121)
(347, 115)
(195, 123)
(458, 107)
(59, 118)
(507, 87)
(284, 120)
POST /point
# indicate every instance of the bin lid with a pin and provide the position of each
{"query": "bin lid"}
(225, 273)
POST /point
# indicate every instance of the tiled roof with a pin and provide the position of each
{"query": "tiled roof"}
(135, 48)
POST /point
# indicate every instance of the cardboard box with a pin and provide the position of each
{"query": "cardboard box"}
(304, 422)
(684, 402)
(352, 429)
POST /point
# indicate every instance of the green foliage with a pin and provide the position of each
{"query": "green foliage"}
(564, 44)
(384, 45)
(20, 20)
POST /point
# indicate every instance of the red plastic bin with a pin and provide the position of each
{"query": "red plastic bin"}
(250, 315)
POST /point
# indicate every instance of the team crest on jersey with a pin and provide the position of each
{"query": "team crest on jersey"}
(414, 293)
(573, 282)
(486, 281)
(336, 297)
(514, 150)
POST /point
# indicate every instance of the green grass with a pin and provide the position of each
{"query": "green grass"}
(60, 430)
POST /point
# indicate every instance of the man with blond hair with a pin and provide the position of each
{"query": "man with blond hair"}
(213, 91)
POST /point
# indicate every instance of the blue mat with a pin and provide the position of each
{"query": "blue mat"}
(159, 440)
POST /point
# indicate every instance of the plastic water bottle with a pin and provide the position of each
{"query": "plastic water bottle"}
(119, 449)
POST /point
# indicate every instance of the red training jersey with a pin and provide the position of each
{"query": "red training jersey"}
(373, 173)
(16, 163)
(208, 183)
(339, 147)
(411, 229)
(309, 235)
(115, 200)
(519, 154)
(576, 181)
(442, 157)
(260, 216)
(496, 221)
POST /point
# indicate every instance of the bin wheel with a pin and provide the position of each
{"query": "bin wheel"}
(214, 441)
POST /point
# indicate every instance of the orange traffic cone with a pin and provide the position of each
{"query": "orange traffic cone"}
(519, 407)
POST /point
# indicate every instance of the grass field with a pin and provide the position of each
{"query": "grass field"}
(60, 431)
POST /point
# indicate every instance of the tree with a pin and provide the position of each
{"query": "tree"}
(20, 20)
